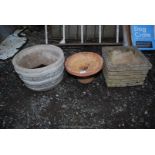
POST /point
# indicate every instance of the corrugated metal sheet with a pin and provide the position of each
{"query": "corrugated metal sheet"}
(73, 33)
(6, 30)
(90, 32)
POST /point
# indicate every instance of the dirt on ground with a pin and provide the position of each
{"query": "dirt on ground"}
(72, 104)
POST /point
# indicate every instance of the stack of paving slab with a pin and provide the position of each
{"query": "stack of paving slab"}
(124, 66)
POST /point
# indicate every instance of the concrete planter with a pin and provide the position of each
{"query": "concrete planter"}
(40, 67)
(124, 66)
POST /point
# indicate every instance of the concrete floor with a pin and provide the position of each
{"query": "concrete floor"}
(74, 105)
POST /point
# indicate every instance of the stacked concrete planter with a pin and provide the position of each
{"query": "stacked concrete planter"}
(124, 66)
(40, 67)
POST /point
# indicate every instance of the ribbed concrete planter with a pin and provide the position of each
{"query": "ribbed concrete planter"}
(40, 67)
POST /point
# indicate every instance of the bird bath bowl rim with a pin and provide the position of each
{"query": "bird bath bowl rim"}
(84, 74)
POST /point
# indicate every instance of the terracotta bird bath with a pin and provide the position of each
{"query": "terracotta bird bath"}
(84, 65)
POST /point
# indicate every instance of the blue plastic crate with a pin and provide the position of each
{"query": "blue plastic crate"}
(143, 36)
